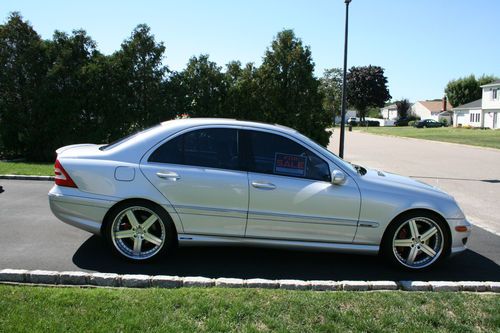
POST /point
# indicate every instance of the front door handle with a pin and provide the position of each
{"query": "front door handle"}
(170, 175)
(263, 186)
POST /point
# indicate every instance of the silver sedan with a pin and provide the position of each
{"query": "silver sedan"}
(219, 181)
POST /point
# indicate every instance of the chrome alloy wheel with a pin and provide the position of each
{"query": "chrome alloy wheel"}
(138, 233)
(418, 242)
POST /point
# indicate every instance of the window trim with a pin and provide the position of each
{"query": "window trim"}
(318, 151)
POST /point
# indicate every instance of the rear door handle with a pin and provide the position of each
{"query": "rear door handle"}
(263, 186)
(170, 175)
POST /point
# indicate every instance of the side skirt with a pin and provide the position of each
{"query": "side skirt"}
(204, 240)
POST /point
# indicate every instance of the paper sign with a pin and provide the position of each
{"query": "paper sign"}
(290, 164)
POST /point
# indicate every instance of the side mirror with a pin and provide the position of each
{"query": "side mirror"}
(338, 177)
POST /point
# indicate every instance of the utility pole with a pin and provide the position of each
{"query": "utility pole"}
(344, 83)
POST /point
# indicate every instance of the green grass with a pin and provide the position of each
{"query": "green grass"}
(21, 168)
(482, 138)
(42, 309)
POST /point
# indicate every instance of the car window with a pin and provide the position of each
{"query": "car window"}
(275, 154)
(211, 147)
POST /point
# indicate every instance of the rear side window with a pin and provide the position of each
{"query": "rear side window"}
(275, 154)
(211, 147)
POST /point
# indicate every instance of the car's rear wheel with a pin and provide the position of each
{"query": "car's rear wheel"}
(140, 231)
(416, 241)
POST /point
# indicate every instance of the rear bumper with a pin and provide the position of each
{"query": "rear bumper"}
(459, 239)
(82, 210)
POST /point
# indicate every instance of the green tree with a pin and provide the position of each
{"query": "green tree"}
(288, 90)
(140, 76)
(331, 89)
(367, 87)
(23, 65)
(403, 107)
(242, 100)
(466, 89)
(68, 110)
(200, 88)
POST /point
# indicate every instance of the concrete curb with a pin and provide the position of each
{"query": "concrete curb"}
(26, 177)
(163, 281)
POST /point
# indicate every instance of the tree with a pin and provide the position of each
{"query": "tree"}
(403, 106)
(288, 90)
(200, 88)
(367, 87)
(23, 65)
(467, 89)
(331, 89)
(140, 76)
(242, 100)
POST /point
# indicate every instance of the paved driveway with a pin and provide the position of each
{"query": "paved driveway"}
(470, 174)
(32, 238)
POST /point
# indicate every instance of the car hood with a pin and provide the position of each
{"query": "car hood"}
(401, 182)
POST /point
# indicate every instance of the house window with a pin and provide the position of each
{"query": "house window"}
(494, 93)
(478, 115)
(471, 117)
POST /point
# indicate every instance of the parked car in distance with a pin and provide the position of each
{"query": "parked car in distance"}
(228, 182)
(428, 123)
(353, 120)
(364, 123)
(402, 121)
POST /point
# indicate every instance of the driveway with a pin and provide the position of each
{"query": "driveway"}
(470, 174)
(32, 238)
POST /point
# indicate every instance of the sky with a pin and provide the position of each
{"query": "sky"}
(421, 44)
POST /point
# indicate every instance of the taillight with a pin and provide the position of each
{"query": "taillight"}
(61, 176)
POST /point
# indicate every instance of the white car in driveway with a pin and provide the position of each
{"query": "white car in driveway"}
(219, 181)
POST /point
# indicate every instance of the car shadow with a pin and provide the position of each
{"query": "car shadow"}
(246, 263)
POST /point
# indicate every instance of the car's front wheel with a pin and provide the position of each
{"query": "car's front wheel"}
(416, 241)
(140, 231)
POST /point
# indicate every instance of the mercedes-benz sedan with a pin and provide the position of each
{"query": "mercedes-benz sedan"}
(220, 181)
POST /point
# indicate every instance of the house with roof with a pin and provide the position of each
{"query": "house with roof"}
(389, 112)
(436, 109)
(484, 112)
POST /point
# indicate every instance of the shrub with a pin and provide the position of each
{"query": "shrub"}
(412, 123)
(444, 121)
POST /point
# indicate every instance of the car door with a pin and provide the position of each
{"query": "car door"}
(198, 172)
(291, 194)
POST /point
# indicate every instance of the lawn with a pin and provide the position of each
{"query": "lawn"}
(44, 309)
(474, 137)
(21, 168)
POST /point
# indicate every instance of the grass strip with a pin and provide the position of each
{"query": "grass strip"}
(473, 137)
(22, 168)
(43, 309)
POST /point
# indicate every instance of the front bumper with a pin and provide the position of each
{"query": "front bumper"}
(82, 210)
(459, 239)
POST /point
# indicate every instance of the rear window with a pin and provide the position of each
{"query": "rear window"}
(126, 138)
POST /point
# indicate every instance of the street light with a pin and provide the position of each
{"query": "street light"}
(344, 97)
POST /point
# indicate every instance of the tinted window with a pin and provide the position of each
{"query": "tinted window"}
(212, 147)
(274, 154)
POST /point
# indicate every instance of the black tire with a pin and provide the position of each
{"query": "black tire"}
(397, 232)
(162, 229)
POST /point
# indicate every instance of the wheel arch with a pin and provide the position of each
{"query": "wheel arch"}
(127, 201)
(413, 211)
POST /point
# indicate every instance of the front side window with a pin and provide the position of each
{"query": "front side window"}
(211, 147)
(274, 154)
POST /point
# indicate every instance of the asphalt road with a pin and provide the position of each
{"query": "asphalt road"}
(32, 238)
(470, 174)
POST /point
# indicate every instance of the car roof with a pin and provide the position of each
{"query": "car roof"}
(189, 122)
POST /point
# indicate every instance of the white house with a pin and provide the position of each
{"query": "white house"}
(484, 112)
(436, 109)
(389, 112)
